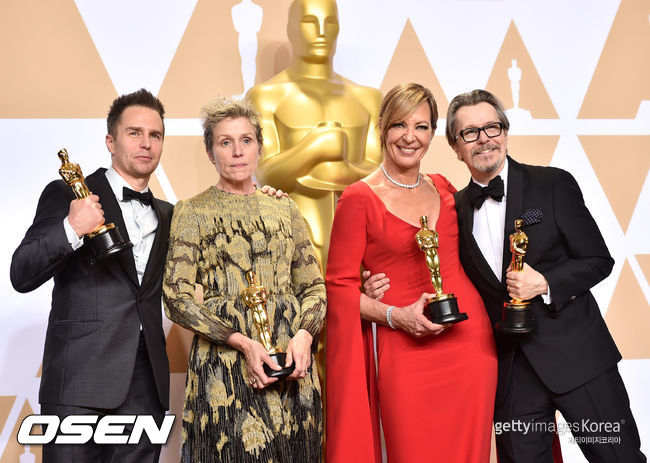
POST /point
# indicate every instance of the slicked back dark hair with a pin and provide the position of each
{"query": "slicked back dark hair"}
(142, 97)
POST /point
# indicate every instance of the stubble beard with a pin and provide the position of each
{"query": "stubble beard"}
(488, 166)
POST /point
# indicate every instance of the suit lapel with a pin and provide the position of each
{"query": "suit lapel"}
(475, 253)
(514, 204)
(113, 213)
(158, 249)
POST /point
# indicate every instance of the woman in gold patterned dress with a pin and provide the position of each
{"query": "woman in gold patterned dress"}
(233, 411)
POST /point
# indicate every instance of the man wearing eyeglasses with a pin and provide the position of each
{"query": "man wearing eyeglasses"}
(569, 362)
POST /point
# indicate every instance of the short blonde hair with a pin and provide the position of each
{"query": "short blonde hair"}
(224, 108)
(401, 101)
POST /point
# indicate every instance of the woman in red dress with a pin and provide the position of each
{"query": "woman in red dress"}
(432, 385)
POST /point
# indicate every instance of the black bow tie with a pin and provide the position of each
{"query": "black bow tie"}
(477, 193)
(146, 198)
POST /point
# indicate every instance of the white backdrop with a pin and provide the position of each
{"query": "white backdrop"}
(584, 105)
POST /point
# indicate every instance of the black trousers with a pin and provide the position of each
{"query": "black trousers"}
(142, 399)
(597, 414)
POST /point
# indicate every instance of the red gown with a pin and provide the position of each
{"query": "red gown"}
(436, 393)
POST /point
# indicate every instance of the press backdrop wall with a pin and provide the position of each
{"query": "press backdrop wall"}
(583, 74)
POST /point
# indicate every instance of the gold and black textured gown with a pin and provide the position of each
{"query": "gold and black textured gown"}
(215, 238)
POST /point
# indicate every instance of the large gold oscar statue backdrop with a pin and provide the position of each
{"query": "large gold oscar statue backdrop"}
(318, 126)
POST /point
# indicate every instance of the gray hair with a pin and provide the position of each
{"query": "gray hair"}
(470, 99)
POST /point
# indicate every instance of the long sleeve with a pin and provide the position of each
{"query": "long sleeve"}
(45, 248)
(306, 277)
(180, 278)
(589, 259)
(352, 431)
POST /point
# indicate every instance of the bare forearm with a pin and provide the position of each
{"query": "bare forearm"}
(373, 310)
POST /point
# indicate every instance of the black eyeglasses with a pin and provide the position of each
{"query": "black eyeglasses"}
(470, 134)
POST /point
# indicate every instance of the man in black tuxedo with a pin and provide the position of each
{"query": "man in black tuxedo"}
(569, 362)
(105, 346)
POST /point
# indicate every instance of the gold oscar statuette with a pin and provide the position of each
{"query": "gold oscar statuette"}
(105, 240)
(254, 297)
(517, 315)
(443, 308)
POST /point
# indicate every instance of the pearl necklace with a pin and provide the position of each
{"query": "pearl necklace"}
(403, 185)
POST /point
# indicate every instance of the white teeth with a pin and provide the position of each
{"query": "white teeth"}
(407, 150)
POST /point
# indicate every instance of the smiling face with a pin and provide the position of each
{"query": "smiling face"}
(486, 156)
(136, 145)
(408, 140)
(313, 28)
(235, 152)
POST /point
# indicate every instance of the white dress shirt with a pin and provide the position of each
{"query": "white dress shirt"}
(140, 221)
(489, 224)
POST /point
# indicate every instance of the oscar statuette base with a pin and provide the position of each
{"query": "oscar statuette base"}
(279, 358)
(106, 241)
(444, 309)
(517, 318)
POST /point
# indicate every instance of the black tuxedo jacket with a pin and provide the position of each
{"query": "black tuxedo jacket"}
(97, 307)
(571, 344)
